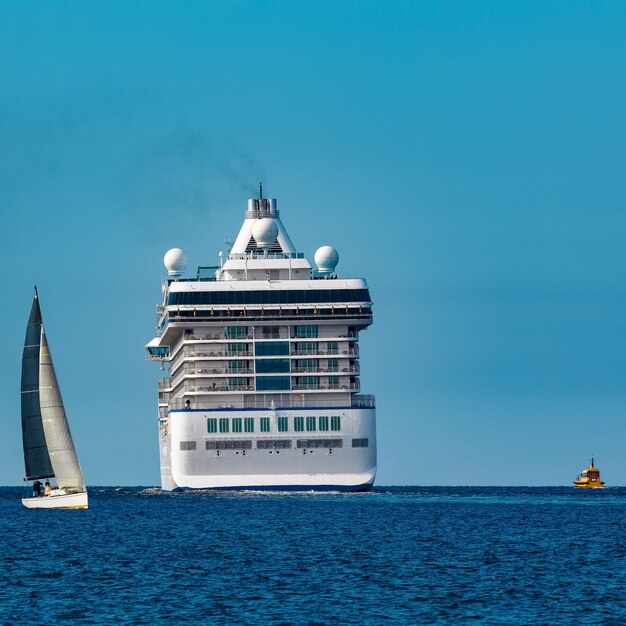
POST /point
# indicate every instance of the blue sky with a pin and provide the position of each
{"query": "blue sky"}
(466, 158)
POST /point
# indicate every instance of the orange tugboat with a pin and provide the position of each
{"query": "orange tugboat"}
(589, 478)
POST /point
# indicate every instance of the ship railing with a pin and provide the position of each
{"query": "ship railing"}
(321, 387)
(291, 402)
(226, 316)
(214, 354)
(207, 372)
(324, 370)
(314, 351)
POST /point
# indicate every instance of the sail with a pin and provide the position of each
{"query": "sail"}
(36, 459)
(57, 431)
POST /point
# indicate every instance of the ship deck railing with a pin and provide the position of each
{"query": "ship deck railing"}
(249, 316)
(290, 402)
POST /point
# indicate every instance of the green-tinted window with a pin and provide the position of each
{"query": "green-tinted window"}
(308, 382)
(323, 422)
(236, 332)
(211, 425)
(306, 331)
(265, 424)
(307, 347)
(272, 366)
(273, 383)
(335, 422)
(248, 424)
(236, 424)
(333, 365)
(237, 367)
(283, 424)
(237, 383)
(310, 423)
(333, 382)
(236, 349)
(307, 365)
(223, 424)
(332, 347)
(271, 348)
(298, 424)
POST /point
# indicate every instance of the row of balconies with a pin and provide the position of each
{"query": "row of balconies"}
(189, 388)
(167, 384)
(221, 373)
(217, 367)
(195, 347)
(219, 354)
(260, 335)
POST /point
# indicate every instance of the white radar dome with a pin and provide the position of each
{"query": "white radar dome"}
(326, 259)
(175, 261)
(265, 232)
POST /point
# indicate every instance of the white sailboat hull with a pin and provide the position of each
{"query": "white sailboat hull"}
(67, 501)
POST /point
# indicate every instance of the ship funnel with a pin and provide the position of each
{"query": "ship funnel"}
(259, 208)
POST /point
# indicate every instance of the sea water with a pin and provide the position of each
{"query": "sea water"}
(411, 555)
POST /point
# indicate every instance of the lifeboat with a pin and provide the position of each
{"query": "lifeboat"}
(589, 478)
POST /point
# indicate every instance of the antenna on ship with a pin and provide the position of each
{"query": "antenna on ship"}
(260, 191)
(36, 292)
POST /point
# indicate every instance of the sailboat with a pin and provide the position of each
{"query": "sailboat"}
(48, 447)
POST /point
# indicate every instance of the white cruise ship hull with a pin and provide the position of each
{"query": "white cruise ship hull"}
(305, 461)
(263, 388)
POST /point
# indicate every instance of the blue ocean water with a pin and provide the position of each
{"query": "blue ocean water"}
(394, 555)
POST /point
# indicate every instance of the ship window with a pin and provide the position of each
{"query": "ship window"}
(283, 424)
(225, 444)
(265, 444)
(307, 347)
(237, 367)
(236, 349)
(360, 443)
(308, 382)
(236, 424)
(270, 332)
(265, 424)
(310, 423)
(308, 365)
(306, 331)
(237, 383)
(333, 365)
(283, 296)
(271, 348)
(211, 425)
(333, 382)
(332, 347)
(272, 383)
(298, 424)
(319, 443)
(187, 445)
(272, 366)
(323, 422)
(248, 424)
(223, 424)
(335, 422)
(236, 332)
(160, 352)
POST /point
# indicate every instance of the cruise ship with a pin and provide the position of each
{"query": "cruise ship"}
(262, 359)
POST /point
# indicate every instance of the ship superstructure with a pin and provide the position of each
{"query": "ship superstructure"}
(263, 390)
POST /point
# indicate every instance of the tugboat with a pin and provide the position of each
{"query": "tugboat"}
(589, 478)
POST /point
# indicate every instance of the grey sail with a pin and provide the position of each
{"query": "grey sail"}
(36, 458)
(57, 431)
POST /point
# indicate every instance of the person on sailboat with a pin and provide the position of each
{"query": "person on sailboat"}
(37, 488)
(47, 489)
